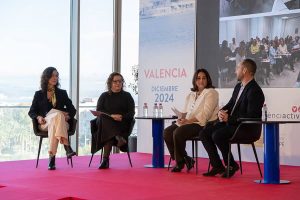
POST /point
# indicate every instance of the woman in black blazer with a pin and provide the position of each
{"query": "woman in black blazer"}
(54, 111)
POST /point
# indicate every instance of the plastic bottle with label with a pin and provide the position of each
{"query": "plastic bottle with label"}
(265, 112)
(160, 110)
(145, 110)
(155, 110)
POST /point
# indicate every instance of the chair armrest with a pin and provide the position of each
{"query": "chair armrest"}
(249, 130)
(35, 126)
(72, 128)
(93, 126)
(131, 126)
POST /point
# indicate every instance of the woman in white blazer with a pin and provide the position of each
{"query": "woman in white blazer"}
(201, 107)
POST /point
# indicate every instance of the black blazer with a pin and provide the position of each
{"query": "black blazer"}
(41, 106)
(249, 104)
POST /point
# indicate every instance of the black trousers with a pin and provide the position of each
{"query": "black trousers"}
(176, 137)
(218, 136)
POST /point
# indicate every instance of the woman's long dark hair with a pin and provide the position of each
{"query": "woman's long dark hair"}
(110, 79)
(46, 75)
(209, 81)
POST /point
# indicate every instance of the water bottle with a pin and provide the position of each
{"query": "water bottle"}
(145, 110)
(160, 110)
(265, 112)
(155, 110)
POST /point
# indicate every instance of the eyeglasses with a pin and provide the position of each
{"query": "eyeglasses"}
(117, 81)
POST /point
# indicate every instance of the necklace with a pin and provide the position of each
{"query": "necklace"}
(50, 89)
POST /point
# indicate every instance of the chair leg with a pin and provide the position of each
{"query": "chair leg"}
(196, 149)
(240, 157)
(208, 166)
(91, 160)
(128, 154)
(193, 146)
(228, 162)
(254, 150)
(101, 155)
(169, 163)
(71, 162)
(69, 144)
(39, 151)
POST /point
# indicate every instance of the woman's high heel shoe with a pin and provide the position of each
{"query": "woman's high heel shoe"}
(104, 164)
(69, 151)
(179, 166)
(51, 165)
(189, 162)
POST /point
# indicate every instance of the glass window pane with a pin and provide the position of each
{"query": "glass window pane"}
(96, 42)
(130, 44)
(130, 48)
(36, 35)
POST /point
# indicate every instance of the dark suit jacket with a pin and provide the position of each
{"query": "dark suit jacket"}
(41, 106)
(249, 104)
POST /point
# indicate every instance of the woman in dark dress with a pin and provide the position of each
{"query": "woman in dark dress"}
(113, 126)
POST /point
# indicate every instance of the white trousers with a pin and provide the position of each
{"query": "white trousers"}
(57, 128)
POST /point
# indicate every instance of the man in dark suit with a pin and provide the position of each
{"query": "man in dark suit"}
(246, 102)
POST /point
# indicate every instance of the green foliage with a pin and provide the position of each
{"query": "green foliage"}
(17, 140)
(135, 73)
(16, 134)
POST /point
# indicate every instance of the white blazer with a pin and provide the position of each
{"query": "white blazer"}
(204, 108)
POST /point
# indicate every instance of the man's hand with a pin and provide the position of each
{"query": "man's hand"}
(223, 115)
(116, 117)
(41, 120)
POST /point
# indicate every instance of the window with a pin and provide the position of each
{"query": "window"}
(36, 35)
(130, 48)
(96, 42)
(130, 43)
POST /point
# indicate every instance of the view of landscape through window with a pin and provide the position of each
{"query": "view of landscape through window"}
(37, 35)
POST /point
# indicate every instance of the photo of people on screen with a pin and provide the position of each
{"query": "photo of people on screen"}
(273, 42)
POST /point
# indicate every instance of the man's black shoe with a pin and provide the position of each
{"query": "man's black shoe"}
(214, 171)
(232, 170)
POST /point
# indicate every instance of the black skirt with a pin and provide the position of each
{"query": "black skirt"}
(104, 129)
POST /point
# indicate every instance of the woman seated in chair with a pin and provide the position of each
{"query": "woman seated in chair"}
(112, 126)
(54, 111)
(201, 107)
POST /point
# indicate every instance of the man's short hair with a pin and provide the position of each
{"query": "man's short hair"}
(250, 65)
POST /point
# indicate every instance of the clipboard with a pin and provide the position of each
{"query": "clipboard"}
(99, 113)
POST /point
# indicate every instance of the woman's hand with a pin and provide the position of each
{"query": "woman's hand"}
(67, 117)
(183, 121)
(116, 117)
(41, 120)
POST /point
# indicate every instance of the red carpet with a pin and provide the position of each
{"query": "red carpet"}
(21, 180)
